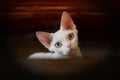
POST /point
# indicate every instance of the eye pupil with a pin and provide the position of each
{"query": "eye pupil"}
(58, 44)
(71, 36)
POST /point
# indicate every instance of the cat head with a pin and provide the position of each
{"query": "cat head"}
(62, 41)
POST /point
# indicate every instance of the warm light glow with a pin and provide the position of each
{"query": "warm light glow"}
(41, 8)
(37, 8)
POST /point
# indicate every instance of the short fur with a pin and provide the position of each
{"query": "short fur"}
(66, 38)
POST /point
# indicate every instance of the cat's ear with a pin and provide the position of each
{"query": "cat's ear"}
(44, 37)
(67, 22)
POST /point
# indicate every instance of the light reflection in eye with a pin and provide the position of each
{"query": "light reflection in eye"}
(58, 45)
(71, 36)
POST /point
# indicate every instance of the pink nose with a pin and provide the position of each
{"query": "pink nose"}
(69, 46)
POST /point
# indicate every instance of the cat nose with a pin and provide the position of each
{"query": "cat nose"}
(69, 46)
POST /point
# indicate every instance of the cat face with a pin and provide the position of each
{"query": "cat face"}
(62, 41)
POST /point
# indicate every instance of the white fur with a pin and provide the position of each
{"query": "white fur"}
(48, 55)
(60, 53)
(61, 36)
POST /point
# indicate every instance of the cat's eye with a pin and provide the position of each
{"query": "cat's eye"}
(58, 45)
(71, 36)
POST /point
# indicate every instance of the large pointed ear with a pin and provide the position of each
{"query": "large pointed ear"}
(44, 38)
(67, 22)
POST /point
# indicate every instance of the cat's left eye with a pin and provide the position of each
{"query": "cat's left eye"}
(71, 36)
(58, 44)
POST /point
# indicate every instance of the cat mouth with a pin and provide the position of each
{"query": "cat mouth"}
(52, 52)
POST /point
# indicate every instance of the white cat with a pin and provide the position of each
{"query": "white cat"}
(61, 44)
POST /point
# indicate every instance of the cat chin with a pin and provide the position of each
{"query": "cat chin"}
(66, 52)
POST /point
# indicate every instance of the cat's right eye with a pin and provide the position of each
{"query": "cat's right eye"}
(71, 36)
(58, 45)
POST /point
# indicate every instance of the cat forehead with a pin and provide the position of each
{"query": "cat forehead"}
(62, 34)
(65, 32)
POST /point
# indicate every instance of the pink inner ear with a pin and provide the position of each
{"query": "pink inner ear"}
(44, 38)
(67, 22)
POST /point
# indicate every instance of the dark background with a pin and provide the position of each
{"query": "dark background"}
(97, 22)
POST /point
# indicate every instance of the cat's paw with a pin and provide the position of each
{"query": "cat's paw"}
(48, 56)
(35, 56)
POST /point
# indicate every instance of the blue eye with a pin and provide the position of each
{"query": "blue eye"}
(58, 45)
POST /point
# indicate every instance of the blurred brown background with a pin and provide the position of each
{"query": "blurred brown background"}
(97, 22)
